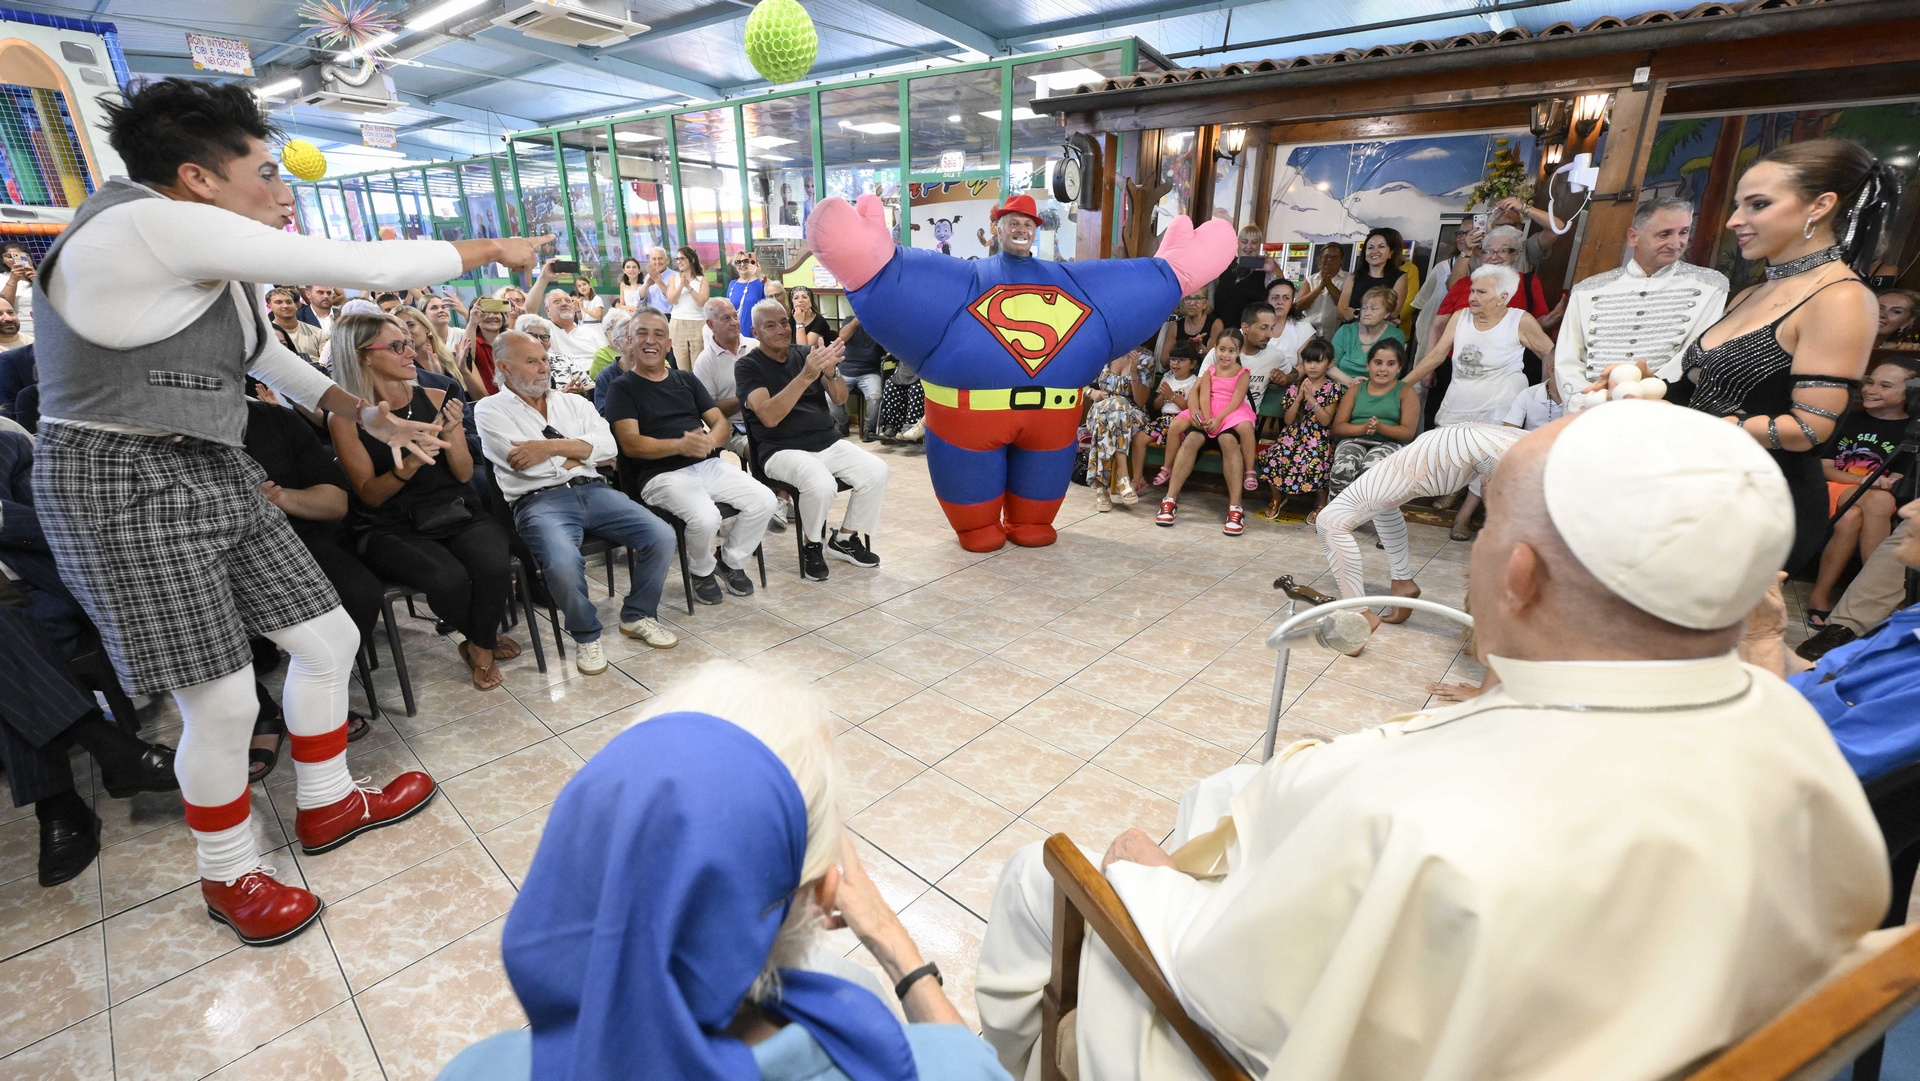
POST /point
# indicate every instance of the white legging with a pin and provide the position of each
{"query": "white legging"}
(1336, 525)
(217, 726)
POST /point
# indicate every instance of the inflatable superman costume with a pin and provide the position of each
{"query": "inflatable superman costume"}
(1004, 345)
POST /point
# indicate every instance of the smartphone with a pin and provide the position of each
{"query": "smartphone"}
(566, 266)
(1480, 222)
(1251, 262)
(493, 304)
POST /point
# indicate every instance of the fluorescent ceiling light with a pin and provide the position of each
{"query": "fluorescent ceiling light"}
(773, 157)
(953, 118)
(876, 127)
(440, 13)
(1066, 80)
(368, 151)
(370, 45)
(275, 89)
(1020, 112)
(635, 137)
(768, 142)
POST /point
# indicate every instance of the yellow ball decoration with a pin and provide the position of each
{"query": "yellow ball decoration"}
(303, 159)
(781, 41)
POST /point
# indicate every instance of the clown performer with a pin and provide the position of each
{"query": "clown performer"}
(167, 533)
(1440, 461)
(1003, 346)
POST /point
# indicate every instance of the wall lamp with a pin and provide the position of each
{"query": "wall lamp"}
(1232, 142)
(1548, 120)
(1590, 112)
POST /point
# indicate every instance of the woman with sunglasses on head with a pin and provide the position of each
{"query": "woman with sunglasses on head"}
(419, 523)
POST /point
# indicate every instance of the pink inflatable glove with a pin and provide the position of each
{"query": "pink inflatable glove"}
(853, 241)
(1196, 255)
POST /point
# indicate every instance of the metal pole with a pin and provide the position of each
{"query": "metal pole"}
(1279, 689)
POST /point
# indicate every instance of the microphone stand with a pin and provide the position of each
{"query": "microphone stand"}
(1283, 636)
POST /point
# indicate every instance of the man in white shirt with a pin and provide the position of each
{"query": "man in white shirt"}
(574, 343)
(323, 301)
(1648, 310)
(714, 367)
(544, 446)
(1262, 355)
(1582, 873)
(142, 391)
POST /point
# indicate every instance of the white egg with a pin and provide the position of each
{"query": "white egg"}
(1653, 388)
(1593, 398)
(1626, 390)
(1622, 373)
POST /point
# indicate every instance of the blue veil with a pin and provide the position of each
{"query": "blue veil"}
(666, 869)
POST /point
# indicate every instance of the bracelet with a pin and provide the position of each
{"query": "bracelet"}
(1773, 434)
(906, 982)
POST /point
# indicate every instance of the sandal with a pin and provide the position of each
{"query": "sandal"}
(1820, 614)
(1167, 509)
(1286, 584)
(357, 726)
(1161, 478)
(1252, 481)
(261, 760)
(485, 677)
(1460, 534)
(505, 649)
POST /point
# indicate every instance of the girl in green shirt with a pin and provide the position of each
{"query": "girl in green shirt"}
(1376, 416)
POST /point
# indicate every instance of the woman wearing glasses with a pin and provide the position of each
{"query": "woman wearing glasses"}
(419, 523)
(748, 288)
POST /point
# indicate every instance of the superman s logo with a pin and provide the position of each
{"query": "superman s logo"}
(1033, 322)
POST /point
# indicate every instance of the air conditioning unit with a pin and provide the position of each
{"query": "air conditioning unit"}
(597, 23)
(359, 89)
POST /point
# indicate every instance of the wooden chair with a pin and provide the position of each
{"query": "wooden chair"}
(1811, 1040)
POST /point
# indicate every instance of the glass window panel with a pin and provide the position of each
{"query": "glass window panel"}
(335, 208)
(955, 112)
(355, 191)
(540, 193)
(483, 209)
(780, 164)
(860, 140)
(1176, 169)
(443, 201)
(413, 211)
(386, 208)
(1037, 138)
(652, 221)
(710, 183)
(596, 216)
(307, 199)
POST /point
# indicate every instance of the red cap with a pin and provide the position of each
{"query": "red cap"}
(1018, 204)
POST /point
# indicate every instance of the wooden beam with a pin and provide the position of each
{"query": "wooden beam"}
(1630, 142)
(1505, 116)
(1888, 82)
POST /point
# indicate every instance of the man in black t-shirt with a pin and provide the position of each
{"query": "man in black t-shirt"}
(670, 432)
(786, 389)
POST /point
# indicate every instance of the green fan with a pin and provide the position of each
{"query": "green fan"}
(781, 41)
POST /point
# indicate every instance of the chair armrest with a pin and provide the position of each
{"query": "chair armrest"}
(1085, 895)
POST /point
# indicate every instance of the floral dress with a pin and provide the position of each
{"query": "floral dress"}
(1111, 423)
(1299, 460)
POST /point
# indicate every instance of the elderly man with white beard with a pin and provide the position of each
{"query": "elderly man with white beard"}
(1632, 852)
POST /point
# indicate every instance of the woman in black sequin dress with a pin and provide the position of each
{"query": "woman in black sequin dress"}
(1784, 360)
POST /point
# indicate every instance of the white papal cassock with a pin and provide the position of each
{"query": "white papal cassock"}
(1493, 890)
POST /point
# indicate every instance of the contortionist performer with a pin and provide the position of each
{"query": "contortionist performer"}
(157, 517)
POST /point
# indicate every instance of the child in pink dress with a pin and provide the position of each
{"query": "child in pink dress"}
(1217, 406)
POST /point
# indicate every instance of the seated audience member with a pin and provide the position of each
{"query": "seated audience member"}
(809, 326)
(711, 832)
(420, 523)
(864, 373)
(1113, 418)
(714, 368)
(544, 446)
(606, 356)
(1262, 356)
(1875, 593)
(1450, 887)
(671, 431)
(1868, 691)
(474, 355)
(43, 715)
(574, 342)
(1291, 327)
(321, 302)
(17, 373)
(1169, 401)
(1376, 416)
(516, 301)
(1537, 408)
(1866, 439)
(430, 355)
(1300, 460)
(439, 311)
(535, 327)
(283, 307)
(11, 336)
(615, 364)
(1324, 287)
(1897, 308)
(1487, 346)
(1353, 341)
(787, 389)
(1216, 410)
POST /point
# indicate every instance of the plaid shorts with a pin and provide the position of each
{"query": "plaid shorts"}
(172, 550)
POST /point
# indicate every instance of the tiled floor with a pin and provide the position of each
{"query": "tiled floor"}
(986, 702)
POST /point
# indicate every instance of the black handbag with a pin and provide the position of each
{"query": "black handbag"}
(436, 518)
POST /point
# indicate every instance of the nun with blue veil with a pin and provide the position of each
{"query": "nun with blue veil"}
(668, 926)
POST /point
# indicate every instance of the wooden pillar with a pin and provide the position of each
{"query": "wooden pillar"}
(1094, 234)
(1260, 145)
(1205, 139)
(1711, 217)
(1635, 114)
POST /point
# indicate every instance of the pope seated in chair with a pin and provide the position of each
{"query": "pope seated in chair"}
(1003, 346)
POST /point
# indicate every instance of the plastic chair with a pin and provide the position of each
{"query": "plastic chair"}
(783, 488)
(397, 592)
(629, 484)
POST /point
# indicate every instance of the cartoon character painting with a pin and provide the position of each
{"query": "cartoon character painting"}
(1003, 346)
(942, 233)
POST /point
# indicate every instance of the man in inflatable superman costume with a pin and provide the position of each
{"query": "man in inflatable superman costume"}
(1003, 346)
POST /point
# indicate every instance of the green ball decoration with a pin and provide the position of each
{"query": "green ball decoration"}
(781, 41)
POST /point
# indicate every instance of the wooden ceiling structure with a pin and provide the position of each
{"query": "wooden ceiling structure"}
(1713, 59)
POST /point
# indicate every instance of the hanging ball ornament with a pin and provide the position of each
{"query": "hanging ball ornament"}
(781, 41)
(303, 159)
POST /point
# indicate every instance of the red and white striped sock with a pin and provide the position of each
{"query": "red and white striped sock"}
(223, 839)
(320, 767)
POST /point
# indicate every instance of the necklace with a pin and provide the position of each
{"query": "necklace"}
(1804, 263)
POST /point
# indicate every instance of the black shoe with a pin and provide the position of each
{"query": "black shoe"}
(813, 564)
(1826, 639)
(706, 590)
(67, 846)
(151, 772)
(737, 581)
(852, 547)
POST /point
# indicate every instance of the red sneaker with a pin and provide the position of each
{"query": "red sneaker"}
(323, 829)
(1167, 512)
(260, 910)
(1236, 522)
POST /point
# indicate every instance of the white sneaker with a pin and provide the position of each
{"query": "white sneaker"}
(589, 658)
(651, 631)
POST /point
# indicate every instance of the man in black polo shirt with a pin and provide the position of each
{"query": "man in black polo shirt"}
(786, 389)
(670, 432)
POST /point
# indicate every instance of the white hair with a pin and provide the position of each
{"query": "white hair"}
(1504, 279)
(614, 317)
(709, 309)
(791, 718)
(767, 305)
(531, 321)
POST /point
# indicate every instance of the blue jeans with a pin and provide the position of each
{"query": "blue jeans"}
(869, 385)
(553, 521)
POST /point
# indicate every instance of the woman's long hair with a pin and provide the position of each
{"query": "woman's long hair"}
(352, 333)
(1867, 188)
(693, 262)
(436, 357)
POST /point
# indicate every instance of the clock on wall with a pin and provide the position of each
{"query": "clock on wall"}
(1076, 179)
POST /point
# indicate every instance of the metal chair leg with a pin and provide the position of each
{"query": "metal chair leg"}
(760, 556)
(686, 574)
(533, 618)
(366, 684)
(399, 656)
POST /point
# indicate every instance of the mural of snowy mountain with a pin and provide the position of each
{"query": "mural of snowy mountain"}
(1339, 191)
